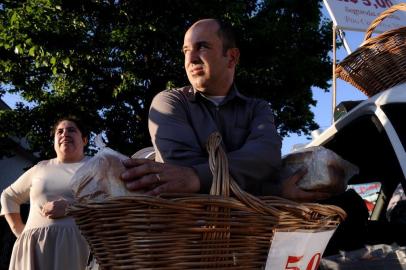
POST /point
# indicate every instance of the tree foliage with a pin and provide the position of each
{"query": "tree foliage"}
(104, 60)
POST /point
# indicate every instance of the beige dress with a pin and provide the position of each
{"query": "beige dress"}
(45, 243)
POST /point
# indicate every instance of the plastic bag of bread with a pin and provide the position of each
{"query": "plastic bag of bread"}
(99, 178)
(326, 171)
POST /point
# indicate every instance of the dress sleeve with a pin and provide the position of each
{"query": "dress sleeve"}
(17, 193)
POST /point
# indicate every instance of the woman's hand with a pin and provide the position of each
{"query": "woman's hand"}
(54, 209)
(15, 222)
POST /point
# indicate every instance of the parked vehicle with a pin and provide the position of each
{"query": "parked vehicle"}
(372, 135)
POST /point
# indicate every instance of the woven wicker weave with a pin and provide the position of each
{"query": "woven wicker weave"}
(380, 62)
(195, 231)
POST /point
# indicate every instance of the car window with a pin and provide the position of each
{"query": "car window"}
(369, 192)
(396, 113)
(365, 143)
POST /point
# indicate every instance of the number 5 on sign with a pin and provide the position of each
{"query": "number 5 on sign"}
(293, 261)
(297, 250)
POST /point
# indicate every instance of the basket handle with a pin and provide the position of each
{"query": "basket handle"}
(382, 16)
(218, 165)
(223, 183)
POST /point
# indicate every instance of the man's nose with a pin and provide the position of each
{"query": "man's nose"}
(193, 57)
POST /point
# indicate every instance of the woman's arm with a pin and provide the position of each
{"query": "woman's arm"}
(11, 199)
(15, 222)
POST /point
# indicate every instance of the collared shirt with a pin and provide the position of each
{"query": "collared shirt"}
(181, 120)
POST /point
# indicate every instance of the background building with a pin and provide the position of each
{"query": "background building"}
(11, 168)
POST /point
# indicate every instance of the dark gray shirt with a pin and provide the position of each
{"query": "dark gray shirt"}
(181, 120)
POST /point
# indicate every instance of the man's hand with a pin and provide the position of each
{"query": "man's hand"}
(291, 191)
(54, 209)
(157, 178)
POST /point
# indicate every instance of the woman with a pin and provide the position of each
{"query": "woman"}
(49, 239)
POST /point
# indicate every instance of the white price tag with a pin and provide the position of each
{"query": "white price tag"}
(297, 250)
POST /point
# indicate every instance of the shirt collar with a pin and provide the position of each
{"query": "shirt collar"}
(232, 94)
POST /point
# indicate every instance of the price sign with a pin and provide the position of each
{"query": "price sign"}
(358, 14)
(297, 250)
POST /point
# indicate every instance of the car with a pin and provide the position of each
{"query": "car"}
(371, 134)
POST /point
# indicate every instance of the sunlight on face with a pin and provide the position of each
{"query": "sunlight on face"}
(206, 65)
(68, 142)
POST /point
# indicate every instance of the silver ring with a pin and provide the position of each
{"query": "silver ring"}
(158, 177)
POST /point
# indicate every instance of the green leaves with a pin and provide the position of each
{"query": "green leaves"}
(53, 61)
(32, 51)
(66, 62)
(105, 60)
(18, 49)
(14, 18)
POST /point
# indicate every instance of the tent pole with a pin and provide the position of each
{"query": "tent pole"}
(334, 73)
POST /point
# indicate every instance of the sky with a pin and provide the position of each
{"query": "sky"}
(322, 110)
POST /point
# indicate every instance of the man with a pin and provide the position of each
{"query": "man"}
(181, 120)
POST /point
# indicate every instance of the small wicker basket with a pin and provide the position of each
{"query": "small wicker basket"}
(195, 231)
(380, 62)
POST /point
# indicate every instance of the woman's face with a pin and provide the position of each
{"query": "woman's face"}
(68, 142)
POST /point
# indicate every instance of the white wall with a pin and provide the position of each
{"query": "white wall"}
(11, 169)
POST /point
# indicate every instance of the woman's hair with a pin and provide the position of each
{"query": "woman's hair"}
(74, 119)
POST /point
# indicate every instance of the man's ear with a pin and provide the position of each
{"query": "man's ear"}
(234, 57)
(85, 140)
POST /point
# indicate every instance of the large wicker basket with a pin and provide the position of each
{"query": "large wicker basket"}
(380, 62)
(192, 231)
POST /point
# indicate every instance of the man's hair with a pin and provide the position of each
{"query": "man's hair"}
(72, 118)
(227, 35)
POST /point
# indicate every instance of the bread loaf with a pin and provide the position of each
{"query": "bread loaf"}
(326, 171)
(99, 178)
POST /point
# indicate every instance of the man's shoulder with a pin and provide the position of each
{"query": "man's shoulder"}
(173, 97)
(175, 94)
(184, 91)
(236, 93)
(255, 104)
(252, 100)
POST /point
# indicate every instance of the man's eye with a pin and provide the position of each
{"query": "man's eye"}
(203, 46)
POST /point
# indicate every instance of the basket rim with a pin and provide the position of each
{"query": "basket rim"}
(195, 200)
(368, 44)
(350, 69)
(200, 230)
(371, 55)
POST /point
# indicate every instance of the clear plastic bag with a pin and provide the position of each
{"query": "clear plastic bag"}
(99, 178)
(326, 171)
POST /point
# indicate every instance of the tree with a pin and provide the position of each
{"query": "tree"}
(106, 59)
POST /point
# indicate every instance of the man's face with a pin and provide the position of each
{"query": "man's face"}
(209, 70)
